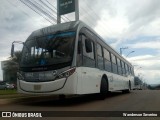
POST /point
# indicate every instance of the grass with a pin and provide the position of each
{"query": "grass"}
(8, 92)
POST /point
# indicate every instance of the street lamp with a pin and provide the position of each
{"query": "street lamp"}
(130, 53)
(122, 49)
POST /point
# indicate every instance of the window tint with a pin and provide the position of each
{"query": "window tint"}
(99, 57)
(107, 55)
(129, 70)
(132, 71)
(118, 62)
(107, 60)
(119, 66)
(88, 52)
(48, 50)
(123, 68)
(114, 66)
(108, 66)
(113, 58)
(88, 47)
(99, 50)
(126, 67)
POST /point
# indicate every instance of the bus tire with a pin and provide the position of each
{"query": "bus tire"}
(129, 88)
(62, 97)
(103, 89)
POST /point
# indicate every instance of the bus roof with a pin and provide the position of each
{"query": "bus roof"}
(70, 26)
(54, 28)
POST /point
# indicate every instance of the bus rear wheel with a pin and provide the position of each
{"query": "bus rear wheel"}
(129, 88)
(103, 89)
(62, 97)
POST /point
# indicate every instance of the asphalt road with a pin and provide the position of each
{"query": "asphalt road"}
(142, 100)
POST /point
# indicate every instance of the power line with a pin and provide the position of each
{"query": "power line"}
(47, 6)
(17, 7)
(42, 11)
(41, 8)
(102, 27)
(56, 10)
(95, 14)
(35, 11)
(20, 9)
(50, 9)
(91, 21)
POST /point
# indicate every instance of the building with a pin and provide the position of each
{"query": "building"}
(9, 69)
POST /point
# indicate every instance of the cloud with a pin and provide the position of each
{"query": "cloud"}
(144, 11)
(122, 23)
(146, 64)
(149, 76)
(149, 44)
(88, 11)
(130, 19)
(146, 61)
(148, 67)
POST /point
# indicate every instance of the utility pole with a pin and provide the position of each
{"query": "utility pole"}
(122, 49)
(58, 14)
(77, 10)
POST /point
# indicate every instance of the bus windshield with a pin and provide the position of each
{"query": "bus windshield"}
(48, 50)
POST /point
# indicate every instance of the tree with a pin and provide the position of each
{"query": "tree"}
(11, 69)
(17, 58)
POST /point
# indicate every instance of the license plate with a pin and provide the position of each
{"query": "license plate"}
(37, 87)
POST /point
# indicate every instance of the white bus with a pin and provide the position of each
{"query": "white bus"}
(71, 59)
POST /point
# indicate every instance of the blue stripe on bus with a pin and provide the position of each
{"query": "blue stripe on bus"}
(61, 35)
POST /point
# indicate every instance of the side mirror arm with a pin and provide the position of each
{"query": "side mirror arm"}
(12, 48)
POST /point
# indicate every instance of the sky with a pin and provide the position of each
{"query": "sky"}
(121, 23)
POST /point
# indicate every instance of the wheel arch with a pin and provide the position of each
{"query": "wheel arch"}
(106, 78)
(130, 84)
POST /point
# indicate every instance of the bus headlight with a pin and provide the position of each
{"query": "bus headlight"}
(20, 76)
(66, 74)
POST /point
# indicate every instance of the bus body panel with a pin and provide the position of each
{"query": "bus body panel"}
(42, 86)
(90, 80)
(62, 86)
(83, 81)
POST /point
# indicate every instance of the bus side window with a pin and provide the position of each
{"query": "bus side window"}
(107, 60)
(114, 63)
(88, 47)
(123, 68)
(88, 52)
(119, 66)
(100, 61)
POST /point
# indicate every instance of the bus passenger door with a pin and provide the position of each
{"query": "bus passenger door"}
(89, 72)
